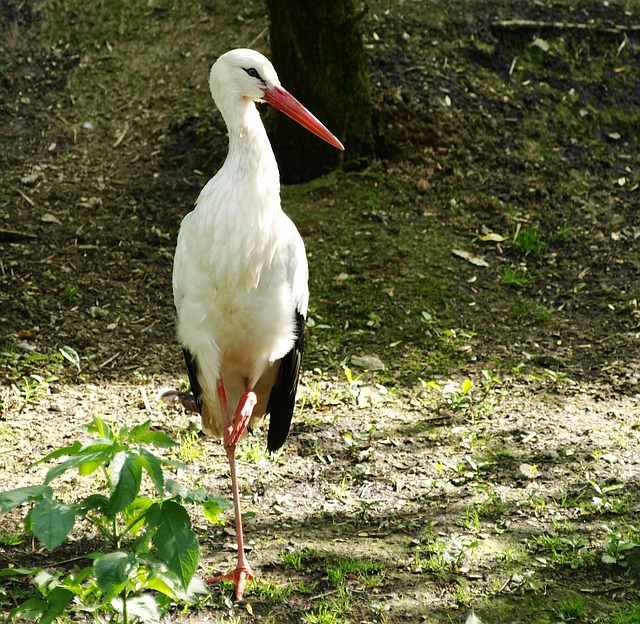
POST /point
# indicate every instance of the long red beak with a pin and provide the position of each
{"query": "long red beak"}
(282, 100)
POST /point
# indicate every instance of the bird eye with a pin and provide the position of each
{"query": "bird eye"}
(253, 72)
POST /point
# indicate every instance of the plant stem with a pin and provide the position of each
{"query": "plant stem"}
(125, 618)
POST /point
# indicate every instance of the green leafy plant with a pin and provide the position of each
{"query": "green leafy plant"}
(457, 396)
(570, 551)
(622, 549)
(70, 294)
(33, 388)
(149, 546)
(31, 371)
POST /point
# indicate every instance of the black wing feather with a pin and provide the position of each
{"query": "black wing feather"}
(283, 393)
(192, 370)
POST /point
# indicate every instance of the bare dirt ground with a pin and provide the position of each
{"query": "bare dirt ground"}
(494, 240)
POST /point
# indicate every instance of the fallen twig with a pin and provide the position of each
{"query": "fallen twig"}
(13, 235)
(526, 24)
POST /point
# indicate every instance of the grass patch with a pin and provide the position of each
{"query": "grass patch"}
(532, 241)
(517, 276)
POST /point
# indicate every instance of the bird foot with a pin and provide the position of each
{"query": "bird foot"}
(238, 577)
(174, 397)
(241, 420)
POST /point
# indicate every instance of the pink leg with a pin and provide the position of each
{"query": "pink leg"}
(233, 431)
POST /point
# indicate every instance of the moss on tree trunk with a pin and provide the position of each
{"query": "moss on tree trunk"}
(317, 50)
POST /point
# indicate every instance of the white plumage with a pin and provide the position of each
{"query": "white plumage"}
(240, 274)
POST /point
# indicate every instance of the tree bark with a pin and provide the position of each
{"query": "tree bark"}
(318, 52)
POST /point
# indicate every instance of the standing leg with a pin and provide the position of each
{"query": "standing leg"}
(232, 432)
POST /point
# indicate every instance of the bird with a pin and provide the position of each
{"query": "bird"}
(240, 278)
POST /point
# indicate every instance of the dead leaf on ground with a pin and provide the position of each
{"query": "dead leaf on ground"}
(470, 257)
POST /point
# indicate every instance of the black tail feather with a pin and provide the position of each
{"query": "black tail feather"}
(283, 394)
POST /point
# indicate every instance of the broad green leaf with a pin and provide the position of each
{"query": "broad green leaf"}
(52, 521)
(66, 450)
(100, 445)
(160, 439)
(177, 489)
(113, 571)
(88, 468)
(176, 464)
(45, 581)
(58, 600)
(18, 571)
(31, 609)
(212, 510)
(147, 607)
(126, 474)
(466, 386)
(69, 353)
(176, 542)
(14, 498)
(198, 495)
(134, 514)
(153, 468)
(143, 434)
(99, 427)
(167, 583)
(94, 501)
(74, 462)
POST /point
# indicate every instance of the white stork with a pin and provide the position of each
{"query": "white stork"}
(240, 277)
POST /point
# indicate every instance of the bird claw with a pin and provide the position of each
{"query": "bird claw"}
(238, 577)
(174, 397)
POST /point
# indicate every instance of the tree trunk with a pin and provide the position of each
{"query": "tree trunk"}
(317, 50)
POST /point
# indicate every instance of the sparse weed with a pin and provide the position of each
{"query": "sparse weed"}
(605, 500)
(491, 507)
(456, 395)
(462, 593)
(252, 452)
(325, 613)
(622, 549)
(269, 591)
(364, 569)
(25, 366)
(525, 308)
(511, 554)
(360, 445)
(33, 388)
(440, 556)
(629, 614)
(571, 609)
(518, 276)
(569, 551)
(531, 241)
(70, 294)
(10, 539)
(471, 520)
(189, 449)
(297, 559)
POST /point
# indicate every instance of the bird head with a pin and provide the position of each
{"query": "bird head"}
(245, 74)
(242, 73)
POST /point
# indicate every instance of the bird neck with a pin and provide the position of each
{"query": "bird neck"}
(250, 156)
(240, 205)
